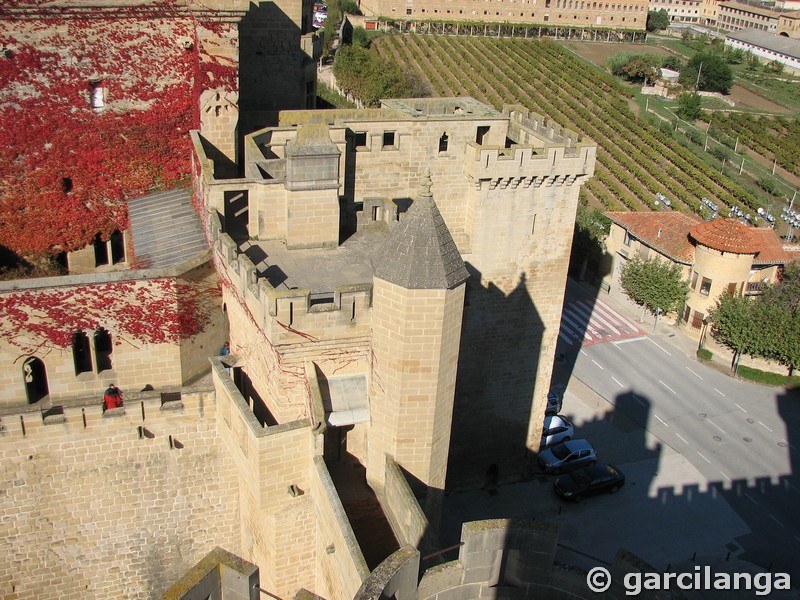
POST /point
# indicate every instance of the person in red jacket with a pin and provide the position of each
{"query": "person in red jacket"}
(112, 398)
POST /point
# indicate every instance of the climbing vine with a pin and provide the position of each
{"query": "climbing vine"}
(138, 312)
(67, 168)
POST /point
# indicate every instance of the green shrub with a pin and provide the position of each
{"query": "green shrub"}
(767, 377)
(705, 354)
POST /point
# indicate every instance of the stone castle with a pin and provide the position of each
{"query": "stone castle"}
(392, 282)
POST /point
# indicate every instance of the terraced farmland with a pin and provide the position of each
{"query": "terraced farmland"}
(635, 160)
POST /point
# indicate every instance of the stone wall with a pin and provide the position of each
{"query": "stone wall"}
(96, 511)
(401, 508)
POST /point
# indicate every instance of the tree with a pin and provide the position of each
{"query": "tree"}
(674, 63)
(642, 67)
(733, 326)
(689, 106)
(588, 241)
(709, 72)
(657, 20)
(655, 285)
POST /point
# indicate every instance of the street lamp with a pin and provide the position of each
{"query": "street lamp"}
(706, 322)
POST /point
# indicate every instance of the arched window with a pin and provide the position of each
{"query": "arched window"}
(81, 353)
(35, 377)
(102, 349)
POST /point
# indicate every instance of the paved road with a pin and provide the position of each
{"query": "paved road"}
(741, 437)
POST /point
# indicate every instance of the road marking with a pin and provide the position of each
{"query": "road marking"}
(663, 422)
(693, 373)
(749, 497)
(715, 425)
(669, 388)
(740, 408)
(639, 400)
(617, 382)
(703, 457)
(636, 339)
(788, 444)
(720, 393)
(660, 348)
(725, 476)
(598, 365)
(584, 352)
(765, 427)
(682, 438)
(776, 520)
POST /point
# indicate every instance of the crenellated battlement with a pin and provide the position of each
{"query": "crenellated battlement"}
(342, 311)
(529, 164)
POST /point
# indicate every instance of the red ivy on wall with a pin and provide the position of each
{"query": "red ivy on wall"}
(66, 169)
(150, 312)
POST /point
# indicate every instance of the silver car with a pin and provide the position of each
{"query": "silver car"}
(556, 429)
(567, 456)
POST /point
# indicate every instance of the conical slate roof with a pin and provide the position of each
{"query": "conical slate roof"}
(420, 252)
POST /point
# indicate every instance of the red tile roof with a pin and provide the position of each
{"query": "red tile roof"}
(771, 249)
(667, 232)
(726, 235)
(672, 234)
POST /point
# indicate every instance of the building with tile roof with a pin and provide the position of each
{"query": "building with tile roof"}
(717, 256)
(768, 46)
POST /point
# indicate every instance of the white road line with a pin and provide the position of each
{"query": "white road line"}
(749, 497)
(583, 352)
(598, 365)
(776, 520)
(663, 422)
(765, 427)
(725, 476)
(715, 425)
(703, 457)
(740, 408)
(576, 326)
(666, 386)
(617, 382)
(720, 393)
(587, 311)
(636, 339)
(683, 439)
(659, 347)
(611, 311)
(639, 400)
(693, 373)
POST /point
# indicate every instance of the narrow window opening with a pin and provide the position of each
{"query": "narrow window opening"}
(481, 134)
(627, 240)
(81, 352)
(291, 313)
(117, 243)
(694, 280)
(96, 94)
(374, 213)
(103, 349)
(353, 312)
(66, 184)
(533, 225)
(388, 139)
(443, 142)
(100, 251)
(361, 139)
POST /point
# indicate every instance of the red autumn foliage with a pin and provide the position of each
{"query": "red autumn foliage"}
(149, 312)
(66, 169)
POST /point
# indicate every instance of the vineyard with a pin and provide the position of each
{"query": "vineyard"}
(635, 159)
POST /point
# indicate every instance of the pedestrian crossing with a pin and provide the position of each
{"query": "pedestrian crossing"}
(587, 322)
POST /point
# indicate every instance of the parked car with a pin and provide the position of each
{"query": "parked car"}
(556, 429)
(567, 456)
(588, 481)
(555, 399)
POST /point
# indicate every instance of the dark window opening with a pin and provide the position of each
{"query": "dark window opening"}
(509, 142)
(361, 139)
(481, 134)
(117, 242)
(443, 141)
(35, 376)
(705, 286)
(408, 11)
(388, 139)
(81, 353)
(103, 349)
(694, 280)
(66, 184)
(100, 251)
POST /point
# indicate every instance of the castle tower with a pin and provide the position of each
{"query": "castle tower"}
(418, 297)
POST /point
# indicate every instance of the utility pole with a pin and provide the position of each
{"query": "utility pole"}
(697, 83)
(741, 167)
